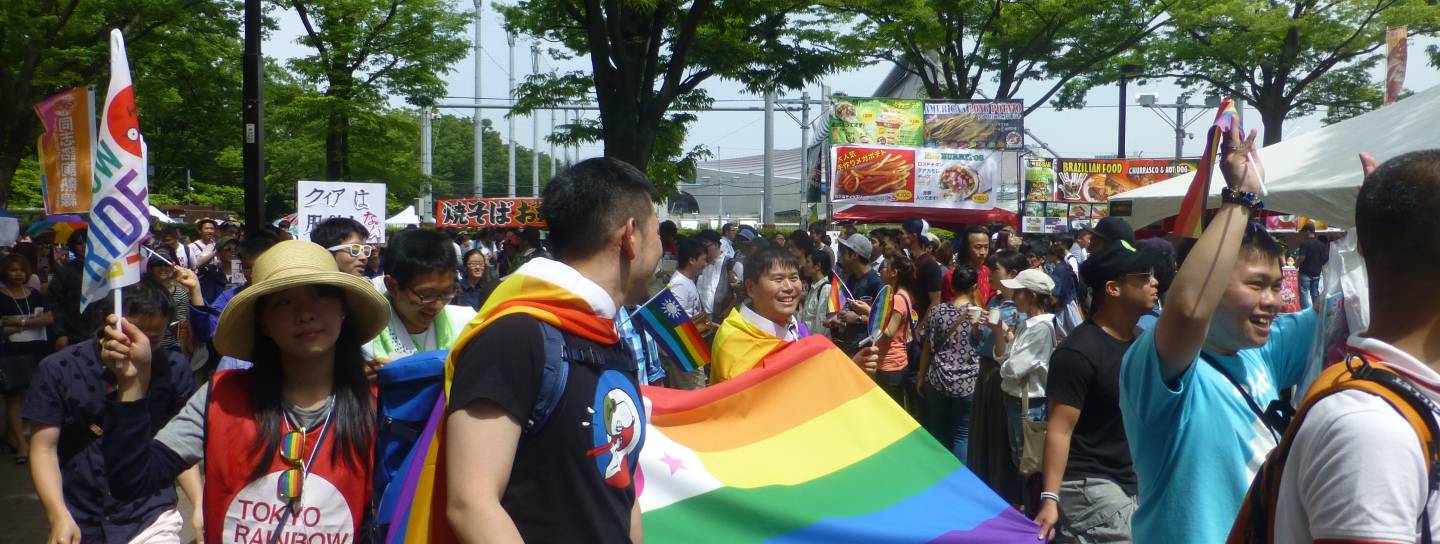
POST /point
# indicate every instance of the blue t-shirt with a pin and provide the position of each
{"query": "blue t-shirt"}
(1196, 444)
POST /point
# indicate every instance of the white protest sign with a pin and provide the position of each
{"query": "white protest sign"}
(320, 200)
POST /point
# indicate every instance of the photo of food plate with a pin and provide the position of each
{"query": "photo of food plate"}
(958, 181)
(885, 176)
(1097, 188)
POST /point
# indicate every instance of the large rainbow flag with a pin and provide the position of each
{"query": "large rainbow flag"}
(1191, 220)
(806, 448)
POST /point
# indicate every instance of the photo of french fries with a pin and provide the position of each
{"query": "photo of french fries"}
(886, 175)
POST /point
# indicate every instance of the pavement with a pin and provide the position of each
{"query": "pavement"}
(22, 518)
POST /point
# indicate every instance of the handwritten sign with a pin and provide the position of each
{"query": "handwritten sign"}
(478, 213)
(320, 200)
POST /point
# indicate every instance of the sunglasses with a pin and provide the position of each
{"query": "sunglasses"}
(292, 480)
(356, 250)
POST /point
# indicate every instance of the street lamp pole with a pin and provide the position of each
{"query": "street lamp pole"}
(1127, 71)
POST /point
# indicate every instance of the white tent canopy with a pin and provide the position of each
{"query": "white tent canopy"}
(404, 218)
(160, 216)
(1316, 174)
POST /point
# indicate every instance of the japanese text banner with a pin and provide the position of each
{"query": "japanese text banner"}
(478, 213)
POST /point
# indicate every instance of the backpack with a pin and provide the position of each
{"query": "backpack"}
(1256, 520)
(412, 403)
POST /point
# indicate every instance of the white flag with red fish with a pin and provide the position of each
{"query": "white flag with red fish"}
(119, 211)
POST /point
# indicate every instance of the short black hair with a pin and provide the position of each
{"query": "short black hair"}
(802, 241)
(203, 221)
(711, 235)
(143, 298)
(1307, 227)
(1395, 220)
(1012, 260)
(823, 261)
(79, 237)
(1259, 241)
(975, 229)
(766, 259)
(256, 243)
(817, 227)
(963, 278)
(170, 230)
(333, 231)
(688, 248)
(668, 228)
(914, 225)
(416, 252)
(584, 204)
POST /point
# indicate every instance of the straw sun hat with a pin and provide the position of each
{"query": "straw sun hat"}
(294, 263)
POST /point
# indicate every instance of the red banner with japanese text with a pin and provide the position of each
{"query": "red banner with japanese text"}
(479, 213)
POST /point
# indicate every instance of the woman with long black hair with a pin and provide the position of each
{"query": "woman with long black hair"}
(287, 444)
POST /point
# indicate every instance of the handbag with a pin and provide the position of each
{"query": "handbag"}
(1032, 453)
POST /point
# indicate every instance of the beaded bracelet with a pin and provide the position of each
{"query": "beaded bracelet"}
(1243, 198)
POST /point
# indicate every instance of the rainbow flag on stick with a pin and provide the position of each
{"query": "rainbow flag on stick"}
(880, 312)
(1191, 220)
(666, 319)
(839, 295)
(806, 448)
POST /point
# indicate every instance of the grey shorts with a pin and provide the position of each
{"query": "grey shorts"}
(1094, 510)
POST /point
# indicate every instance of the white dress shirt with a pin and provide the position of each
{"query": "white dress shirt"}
(789, 332)
(685, 291)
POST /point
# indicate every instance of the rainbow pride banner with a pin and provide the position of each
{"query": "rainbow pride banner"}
(806, 448)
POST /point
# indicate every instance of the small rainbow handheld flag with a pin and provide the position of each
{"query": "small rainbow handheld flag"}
(1190, 221)
(880, 312)
(666, 319)
(838, 295)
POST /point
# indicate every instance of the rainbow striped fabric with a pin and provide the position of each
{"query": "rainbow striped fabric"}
(666, 319)
(806, 448)
(880, 312)
(1190, 222)
(838, 295)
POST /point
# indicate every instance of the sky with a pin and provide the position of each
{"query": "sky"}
(1088, 132)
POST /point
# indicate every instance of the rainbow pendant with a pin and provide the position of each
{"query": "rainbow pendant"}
(292, 446)
(290, 484)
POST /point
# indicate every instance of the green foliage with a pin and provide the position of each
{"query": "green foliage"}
(958, 48)
(49, 45)
(367, 49)
(1283, 58)
(650, 57)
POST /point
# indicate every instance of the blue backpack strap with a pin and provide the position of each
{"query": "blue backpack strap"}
(553, 378)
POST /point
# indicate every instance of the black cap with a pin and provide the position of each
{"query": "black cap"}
(1114, 261)
(1113, 229)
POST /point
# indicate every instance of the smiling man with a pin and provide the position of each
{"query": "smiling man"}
(420, 283)
(1196, 390)
(772, 279)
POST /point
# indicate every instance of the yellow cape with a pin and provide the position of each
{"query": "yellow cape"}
(739, 346)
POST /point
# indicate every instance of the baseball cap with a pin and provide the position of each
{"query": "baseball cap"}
(1113, 229)
(1033, 279)
(1114, 261)
(746, 236)
(859, 244)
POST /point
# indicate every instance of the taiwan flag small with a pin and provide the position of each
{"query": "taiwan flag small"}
(666, 319)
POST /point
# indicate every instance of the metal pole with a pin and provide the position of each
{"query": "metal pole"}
(825, 159)
(510, 119)
(253, 118)
(427, 149)
(554, 161)
(1179, 131)
(804, 156)
(1121, 152)
(767, 206)
(534, 128)
(479, 176)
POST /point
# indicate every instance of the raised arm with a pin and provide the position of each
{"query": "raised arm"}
(1183, 326)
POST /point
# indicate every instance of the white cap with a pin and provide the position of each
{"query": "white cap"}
(1033, 279)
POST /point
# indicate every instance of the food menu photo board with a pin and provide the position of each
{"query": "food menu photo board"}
(975, 124)
(877, 121)
(1039, 180)
(940, 178)
(1096, 180)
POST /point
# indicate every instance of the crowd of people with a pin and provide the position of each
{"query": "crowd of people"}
(242, 369)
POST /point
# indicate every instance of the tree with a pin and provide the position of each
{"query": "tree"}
(958, 48)
(365, 49)
(649, 58)
(1284, 58)
(50, 45)
(454, 165)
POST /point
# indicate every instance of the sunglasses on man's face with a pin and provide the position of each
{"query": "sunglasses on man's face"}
(355, 250)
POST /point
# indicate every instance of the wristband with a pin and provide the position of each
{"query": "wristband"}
(1243, 198)
(1046, 495)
